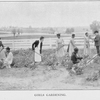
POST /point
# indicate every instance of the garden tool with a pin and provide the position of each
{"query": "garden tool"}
(50, 53)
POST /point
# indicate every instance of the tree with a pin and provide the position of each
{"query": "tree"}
(69, 30)
(95, 26)
(30, 27)
(52, 31)
(19, 31)
(72, 30)
(14, 32)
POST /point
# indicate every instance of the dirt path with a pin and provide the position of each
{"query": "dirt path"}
(40, 78)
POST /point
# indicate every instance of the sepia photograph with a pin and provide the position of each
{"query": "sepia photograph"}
(50, 45)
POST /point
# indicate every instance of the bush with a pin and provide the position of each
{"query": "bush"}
(93, 76)
(67, 63)
(50, 60)
(22, 58)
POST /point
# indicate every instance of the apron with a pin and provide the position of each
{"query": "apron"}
(37, 53)
(71, 47)
(87, 50)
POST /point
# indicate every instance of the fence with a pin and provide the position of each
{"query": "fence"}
(48, 43)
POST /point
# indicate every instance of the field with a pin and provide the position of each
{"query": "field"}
(48, 75)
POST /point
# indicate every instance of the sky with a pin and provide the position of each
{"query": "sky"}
(48, 14)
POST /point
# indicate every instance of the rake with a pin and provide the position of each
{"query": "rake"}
(49, 53)
(90, 61)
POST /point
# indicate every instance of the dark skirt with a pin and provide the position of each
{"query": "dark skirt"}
(68, 48)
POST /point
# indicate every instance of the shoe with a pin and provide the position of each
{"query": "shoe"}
(73, 70)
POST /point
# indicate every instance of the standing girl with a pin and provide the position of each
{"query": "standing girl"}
(60, 46)
(72, 45)
(87, 50)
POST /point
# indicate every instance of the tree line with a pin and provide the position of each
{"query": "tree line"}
(95, 25)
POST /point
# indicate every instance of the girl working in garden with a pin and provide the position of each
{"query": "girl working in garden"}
(75, 59)
(87, 50)
(60, 47)
(71, 45)
(37, 48)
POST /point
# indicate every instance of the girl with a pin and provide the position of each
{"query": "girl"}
(72, 45)
(37, 48)
(87, 50)
(60, 46)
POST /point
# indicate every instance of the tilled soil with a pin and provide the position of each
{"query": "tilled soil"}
(47, 75)
(40, 79)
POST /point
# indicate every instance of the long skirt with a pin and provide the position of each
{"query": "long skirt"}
(37, 55)
(71, 49)
(60, 52)
(87, 50)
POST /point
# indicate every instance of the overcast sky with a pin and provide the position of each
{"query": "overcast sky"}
(48, 14)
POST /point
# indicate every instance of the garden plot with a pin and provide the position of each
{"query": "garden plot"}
(49, 74)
